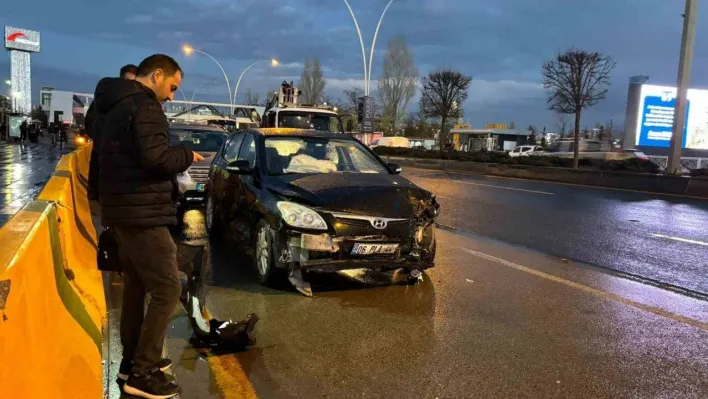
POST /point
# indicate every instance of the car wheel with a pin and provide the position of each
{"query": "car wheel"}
(263, 254)
(210, 217)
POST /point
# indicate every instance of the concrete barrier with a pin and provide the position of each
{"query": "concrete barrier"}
(51, 293)
(664, 184)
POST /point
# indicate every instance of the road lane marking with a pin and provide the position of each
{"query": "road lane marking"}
(502, 187)
(602, 294)
(686, 240)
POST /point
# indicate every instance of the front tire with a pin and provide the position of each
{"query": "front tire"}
(263, 255)
(211, 219)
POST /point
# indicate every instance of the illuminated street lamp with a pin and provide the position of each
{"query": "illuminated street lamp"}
(188, 50)
(273, 62)
(367, 70)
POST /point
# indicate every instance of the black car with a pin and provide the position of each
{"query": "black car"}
(301, 200)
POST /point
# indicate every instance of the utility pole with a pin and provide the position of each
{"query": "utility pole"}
(684, 77)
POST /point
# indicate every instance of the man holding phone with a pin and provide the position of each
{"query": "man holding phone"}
(137, 195)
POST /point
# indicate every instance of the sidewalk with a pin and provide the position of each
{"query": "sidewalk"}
(24, 169)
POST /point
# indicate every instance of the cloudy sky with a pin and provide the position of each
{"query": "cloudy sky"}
(501, 45)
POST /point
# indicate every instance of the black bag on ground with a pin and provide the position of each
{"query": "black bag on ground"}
(107, 254)
(226, 336)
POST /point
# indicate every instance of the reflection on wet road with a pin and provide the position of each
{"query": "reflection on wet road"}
(490, 320)
(24, 169)
(657, 237)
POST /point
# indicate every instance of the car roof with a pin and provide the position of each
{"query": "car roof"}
(196, 126)
(282, 131)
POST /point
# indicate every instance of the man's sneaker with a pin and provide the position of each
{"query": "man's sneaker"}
(126, 366)
(153, 385)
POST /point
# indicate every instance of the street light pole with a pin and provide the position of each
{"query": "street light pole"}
(188, 50)
(273, 62)
(373, 44)
(683, 81)
(363, 50)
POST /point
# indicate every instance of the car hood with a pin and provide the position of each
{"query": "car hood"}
(380, 195)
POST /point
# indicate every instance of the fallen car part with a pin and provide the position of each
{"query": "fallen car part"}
(297, 280)
(224, 336)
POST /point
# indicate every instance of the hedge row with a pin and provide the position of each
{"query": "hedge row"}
(635, 165)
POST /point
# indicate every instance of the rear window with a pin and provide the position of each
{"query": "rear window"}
(198, 140)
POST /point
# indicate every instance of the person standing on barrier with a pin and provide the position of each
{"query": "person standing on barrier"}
(93, 123)
(137, 195)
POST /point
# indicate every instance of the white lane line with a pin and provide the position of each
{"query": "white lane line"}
(679, 239)
(502, 187)
(602, 294)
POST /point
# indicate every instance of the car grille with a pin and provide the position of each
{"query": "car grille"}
(357, 227)
(199, 175)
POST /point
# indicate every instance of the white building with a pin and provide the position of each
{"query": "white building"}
(64, 106)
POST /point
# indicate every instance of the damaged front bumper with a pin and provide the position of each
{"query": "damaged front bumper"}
(328, 253)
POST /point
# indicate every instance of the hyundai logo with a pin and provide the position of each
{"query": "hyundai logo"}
(379, 224)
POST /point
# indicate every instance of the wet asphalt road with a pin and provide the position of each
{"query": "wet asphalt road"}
(24, 169)
(637, 233)
(491, 320)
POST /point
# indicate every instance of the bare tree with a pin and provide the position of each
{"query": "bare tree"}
(576, 80)
(312, 82)
(251, 98)
(397, 83)
(442, 93)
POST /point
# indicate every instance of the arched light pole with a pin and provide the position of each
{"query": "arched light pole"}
(367, 70)
(273, 63)
(188, 50)
(191, 100)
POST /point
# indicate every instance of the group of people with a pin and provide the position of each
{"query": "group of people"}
(132, 185)
(32, 132)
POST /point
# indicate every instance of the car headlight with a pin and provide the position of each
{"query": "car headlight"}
(300, 216)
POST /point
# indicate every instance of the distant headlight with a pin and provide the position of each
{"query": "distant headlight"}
(300, 216)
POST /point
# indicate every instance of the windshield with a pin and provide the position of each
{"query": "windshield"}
(310, 120)
(198, 140)
(286, 155)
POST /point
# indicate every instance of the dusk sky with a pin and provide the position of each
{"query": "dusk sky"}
(501, 44)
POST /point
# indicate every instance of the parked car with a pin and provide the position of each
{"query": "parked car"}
(206, 140)
(318, 201)
(525, 150)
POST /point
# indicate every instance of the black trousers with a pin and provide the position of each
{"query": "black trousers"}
(149, 260)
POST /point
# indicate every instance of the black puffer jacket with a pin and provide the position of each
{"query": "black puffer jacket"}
(138, 167)
(90, 123)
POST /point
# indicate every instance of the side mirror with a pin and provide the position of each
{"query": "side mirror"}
(395, 168)
(240, 167)
(350, 125)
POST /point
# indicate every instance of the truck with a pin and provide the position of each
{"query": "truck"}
(284, 110)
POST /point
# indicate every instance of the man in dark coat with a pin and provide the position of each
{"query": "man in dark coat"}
(127, 72)
(137, 194)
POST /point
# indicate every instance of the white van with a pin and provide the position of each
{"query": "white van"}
(391, 142)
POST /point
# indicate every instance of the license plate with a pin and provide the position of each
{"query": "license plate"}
(373, 249)
(200, 186)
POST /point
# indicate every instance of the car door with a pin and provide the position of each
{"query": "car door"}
(239, 189)
(219, 174)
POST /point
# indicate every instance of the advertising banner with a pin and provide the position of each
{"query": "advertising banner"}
(656, 117)
(21, 39)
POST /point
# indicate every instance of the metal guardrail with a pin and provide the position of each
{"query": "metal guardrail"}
(688, 163)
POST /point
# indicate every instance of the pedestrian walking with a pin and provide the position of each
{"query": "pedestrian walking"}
(23, 131)
(93, 123)
(137, 195)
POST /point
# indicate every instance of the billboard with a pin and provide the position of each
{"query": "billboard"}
(656, 117)
(21, 39)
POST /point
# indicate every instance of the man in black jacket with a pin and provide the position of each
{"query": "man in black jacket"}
(94, 133)
(137, 192)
